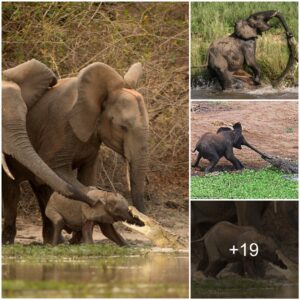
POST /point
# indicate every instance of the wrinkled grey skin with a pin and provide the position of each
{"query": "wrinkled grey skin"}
(228, 55)
(223, 236)
(213, 146)
(70, 122)
(80, 217)
(22, 87)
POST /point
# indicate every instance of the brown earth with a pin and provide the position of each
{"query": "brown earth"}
(271, 126)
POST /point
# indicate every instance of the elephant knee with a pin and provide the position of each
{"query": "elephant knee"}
(9, 234)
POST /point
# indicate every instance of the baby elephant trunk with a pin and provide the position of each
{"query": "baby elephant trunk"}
(277, 261)
(133, 220)
(255, 150)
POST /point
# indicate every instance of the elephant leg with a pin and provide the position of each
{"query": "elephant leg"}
(109, 231)
(212, 163)
(203, 263)
(251, 62)
(43, 194)
(87, 173)
(219, 65)
(76, 238)
(195, 164)
(87, 232)
(237, 268)
(11, 196)
(236, 163)
(214, 268)
(58, 224)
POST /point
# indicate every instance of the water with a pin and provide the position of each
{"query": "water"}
(243, 288)
(266, 92)
(151, 275)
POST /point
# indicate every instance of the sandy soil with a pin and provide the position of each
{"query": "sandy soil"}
(269, 125)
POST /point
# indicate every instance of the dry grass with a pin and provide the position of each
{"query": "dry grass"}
(69, 36)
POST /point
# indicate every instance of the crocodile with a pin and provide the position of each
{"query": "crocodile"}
(159, 236)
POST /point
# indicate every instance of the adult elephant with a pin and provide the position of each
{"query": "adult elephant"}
(205, 214)
(22, 87)
(229, 54)
(69, 123)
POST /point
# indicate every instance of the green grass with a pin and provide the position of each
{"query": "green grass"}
(214, 20)
(249, 184)
(41, 252)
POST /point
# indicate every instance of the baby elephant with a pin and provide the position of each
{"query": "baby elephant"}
(78, 216)
(213, 146)
(225, 236)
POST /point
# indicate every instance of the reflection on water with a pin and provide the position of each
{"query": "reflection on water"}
(151, 275)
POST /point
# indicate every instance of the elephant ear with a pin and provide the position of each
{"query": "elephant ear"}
(33, 78)
(222, 129)
(99, 214)
(95, 85)
(238, 136)
(133, 75)
(243, 30)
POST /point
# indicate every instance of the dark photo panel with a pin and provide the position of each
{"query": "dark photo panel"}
(244, 249)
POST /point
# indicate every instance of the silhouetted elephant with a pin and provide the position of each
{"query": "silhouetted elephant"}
(228, 55)
(218, 241)
(213, 146)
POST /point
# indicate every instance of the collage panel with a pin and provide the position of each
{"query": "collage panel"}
(244, 249)
(95, 141)
(244, 50)
(244, 149)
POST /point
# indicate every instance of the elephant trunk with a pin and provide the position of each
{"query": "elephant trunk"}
(284, 24)
(138, 168)
(134, 220)
(255, 150)
(17, 144)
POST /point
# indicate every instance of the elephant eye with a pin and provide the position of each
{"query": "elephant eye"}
(124, 128)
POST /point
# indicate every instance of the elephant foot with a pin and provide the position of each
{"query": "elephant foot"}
(76, 238)
(48, 237)
(8, 235)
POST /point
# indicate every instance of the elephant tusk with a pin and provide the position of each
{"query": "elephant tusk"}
(128, 176)
(6, 169)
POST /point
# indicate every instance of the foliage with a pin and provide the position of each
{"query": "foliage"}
(68, 36)
(249, 184)
(214, 20)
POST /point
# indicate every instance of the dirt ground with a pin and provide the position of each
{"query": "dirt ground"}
(271, 126)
